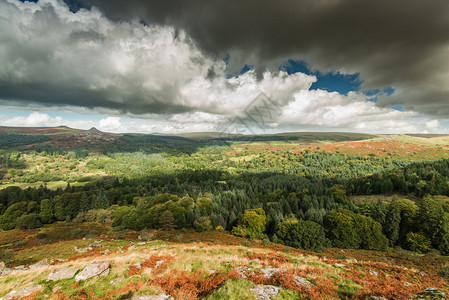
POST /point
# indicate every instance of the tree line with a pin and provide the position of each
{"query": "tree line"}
(309, 211)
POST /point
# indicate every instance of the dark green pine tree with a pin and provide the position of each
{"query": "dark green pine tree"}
(100, 201)
(85, 204)
(393, 222)
(167, 221)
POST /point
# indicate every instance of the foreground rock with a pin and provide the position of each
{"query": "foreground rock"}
(43, 263)
(97, 268)
(431, 293)
(19, 269)
(303, 282)
(5, 271)
(62, 273)
(153, 297)
(117, 280)
(265, 292)
(23, 292)
(269, 272)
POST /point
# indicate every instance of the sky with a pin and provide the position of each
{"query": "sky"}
(175, 66)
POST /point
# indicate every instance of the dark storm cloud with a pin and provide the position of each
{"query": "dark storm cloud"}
(52, 56)
(61, 95)
(402, 44)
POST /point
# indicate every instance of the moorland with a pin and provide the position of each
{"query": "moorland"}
(202, 215)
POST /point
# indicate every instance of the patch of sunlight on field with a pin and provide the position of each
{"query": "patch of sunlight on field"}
(50, 184)
(243, 158)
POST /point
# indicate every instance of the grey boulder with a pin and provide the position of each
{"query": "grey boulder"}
(97, 268)
(62, 273)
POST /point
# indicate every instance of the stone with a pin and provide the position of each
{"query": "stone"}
(257, 261)
(241, 271)
(105, 273)
(62, 273)
(19, 269)
(158, 263)
(117, 280)
(431, 293)
(153, 297)
(145, 236)
(303, 282)
(2, 265)
(374, 273)
(268, 272)
(343, 266)
(265, 292)
(95, 244)
(23, 292)
(5, 271)
(80, 250)
(57, 260)
(375, 298)
(43, 263)
(406, 283)
(94, 269)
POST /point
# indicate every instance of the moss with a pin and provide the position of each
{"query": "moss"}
(347, 288)
(233, 289)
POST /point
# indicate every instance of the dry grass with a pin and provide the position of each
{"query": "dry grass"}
(192, 270)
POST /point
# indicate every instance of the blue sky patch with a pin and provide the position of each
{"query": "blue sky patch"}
(331, 82)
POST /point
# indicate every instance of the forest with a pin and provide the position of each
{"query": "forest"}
(278, 191)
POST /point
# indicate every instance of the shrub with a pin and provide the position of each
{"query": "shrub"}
(246, 243)
(347, 229)
(80, 217)
(302, 234)
(90, 216)
(103, 216)
(444, 272)
(252, 224)
(41, 235)
(239, 231)
(28, 222)
(12, 213)
(167, 221)
(418, 242)
(203, 224)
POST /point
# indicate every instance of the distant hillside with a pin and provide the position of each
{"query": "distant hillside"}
(65, 138)
(295, 136)
(427, 135)
(56, 139)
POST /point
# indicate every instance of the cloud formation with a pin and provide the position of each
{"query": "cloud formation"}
(55, 57)
(168, 72)
(402, 44)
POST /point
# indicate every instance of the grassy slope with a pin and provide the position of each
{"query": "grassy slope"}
(194, 254)
(189, 256)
